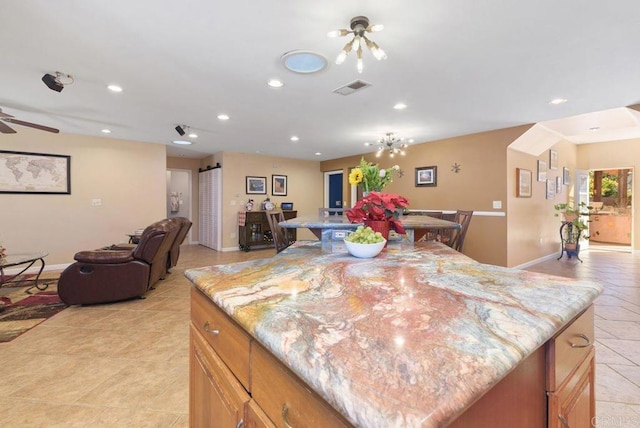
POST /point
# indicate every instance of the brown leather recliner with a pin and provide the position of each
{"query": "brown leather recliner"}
(105, 275)
(174, 253)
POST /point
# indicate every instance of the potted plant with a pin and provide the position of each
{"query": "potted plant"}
(379, 211)
(370, 177)
(570, 212)
(574, 226)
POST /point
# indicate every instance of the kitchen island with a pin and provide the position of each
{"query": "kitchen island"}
(413, 337)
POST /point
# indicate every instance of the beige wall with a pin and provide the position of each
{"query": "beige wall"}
(481, 180)
(533, 229)
(128, 176)
(613, 155)
(304, 187)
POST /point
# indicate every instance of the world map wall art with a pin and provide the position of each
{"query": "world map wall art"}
(36, 173)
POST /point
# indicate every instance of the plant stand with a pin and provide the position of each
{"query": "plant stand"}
(570, 248)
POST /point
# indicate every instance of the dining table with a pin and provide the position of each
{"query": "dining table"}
(336, 227)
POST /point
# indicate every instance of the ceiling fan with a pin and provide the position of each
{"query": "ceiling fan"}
(6, 129)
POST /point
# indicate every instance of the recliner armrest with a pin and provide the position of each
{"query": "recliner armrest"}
(104, 256)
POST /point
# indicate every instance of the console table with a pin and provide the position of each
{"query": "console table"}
(254, 230)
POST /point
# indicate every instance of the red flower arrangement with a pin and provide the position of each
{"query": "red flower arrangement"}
(379, 207)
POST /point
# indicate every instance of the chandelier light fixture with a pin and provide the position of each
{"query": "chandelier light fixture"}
(392, 145)
(359, 26)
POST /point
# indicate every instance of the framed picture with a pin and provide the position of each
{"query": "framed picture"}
(566, 176)
(35, 173)
(256, 185)
(427, 176)
(542, 170)
(524, 179)
(551, 188)
(279, 185)
(558, 185)
(553, 159)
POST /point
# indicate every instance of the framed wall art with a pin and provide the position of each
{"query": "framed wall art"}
(35, 173)
(256, 185)
(524, 183)
(427, 176)
(566, 176)
(558, 184)
(553, 159)
(542, 170)
(279, 185)
(551, 188)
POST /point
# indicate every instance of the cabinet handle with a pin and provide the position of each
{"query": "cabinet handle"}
(240, 424)
(215, 332)
(585, 345)
(563, 421)
(285, 409)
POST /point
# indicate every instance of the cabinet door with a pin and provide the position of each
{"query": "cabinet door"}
(217, 399)
(256, 418)
(573, 405)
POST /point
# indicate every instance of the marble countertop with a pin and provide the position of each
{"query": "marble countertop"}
(409, 338)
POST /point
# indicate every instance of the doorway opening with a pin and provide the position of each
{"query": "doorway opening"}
(179, 195)
(611, 196)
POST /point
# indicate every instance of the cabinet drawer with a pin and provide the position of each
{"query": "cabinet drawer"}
(285, 399)
(567, 349)
(229, 340)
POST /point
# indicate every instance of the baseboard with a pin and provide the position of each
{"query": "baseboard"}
(536, 261)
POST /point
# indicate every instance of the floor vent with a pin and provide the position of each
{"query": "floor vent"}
(350, 88)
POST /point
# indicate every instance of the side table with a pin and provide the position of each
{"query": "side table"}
(26, 259)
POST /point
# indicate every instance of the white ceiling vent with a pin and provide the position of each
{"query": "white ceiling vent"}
(350, 88)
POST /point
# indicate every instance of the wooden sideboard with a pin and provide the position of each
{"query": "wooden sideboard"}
(256, 231)
(234, 381)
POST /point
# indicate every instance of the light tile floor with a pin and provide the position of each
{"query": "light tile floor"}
(126, 364)
(617, 329)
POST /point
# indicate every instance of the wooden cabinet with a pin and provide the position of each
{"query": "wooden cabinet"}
(571, 374)
(256, 231)
(217, 399)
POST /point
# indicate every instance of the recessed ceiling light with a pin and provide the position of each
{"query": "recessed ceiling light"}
(106, 131)
(318, 153)
(295, 138)
(223, 117)
(400, 106)
(411, 140)
(557, 101)
(275, 83)
(115, 88)
(193, 135)
(367, 144)
(182, 142)
(304, 62)
(594, 128)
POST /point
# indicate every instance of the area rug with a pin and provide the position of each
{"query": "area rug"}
(20, 312)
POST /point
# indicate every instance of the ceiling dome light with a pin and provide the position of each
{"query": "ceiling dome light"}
(359, 26)
(400, 106)
(275, 83)
(223, 117)
(303, 62)
(182, 142)
(295, 138)
(318, 153)
(114, 88)
(557, 101)
(106, 131)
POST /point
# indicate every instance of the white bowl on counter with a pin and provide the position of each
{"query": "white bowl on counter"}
(364, 251)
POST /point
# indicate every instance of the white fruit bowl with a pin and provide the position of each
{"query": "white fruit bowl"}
(364, 251)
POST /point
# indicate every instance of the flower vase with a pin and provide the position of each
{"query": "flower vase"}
(381, 226)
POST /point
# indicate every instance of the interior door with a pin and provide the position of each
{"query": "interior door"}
(333, 189)
(582, 195)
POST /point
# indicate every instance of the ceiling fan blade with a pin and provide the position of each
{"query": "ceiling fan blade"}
(5, 129)
(4, 114)
(32, 125)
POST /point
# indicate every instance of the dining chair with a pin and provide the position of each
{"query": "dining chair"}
(281, 236)
(464, 218)
(325, 212)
